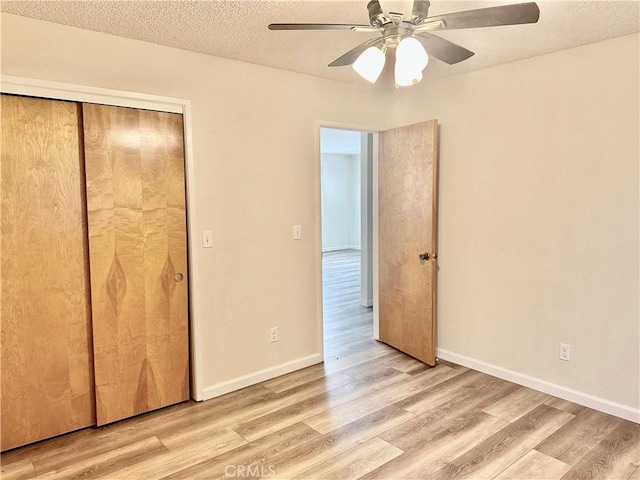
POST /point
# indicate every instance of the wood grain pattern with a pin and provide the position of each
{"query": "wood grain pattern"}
(535, 466)
(448, 434)
(579, 436)
(253, 454)
(517, 404)
(137, 243)
(437, 445)
(181, 456)
(503, 448)
(60, 452)
(616, 456)
(407, 194)
(307, 455)
(18, 470)
(355, 462)
(306, 408)
(300, 377)
(463, 388)
(451, 403)
(565, 405)
(47, 374)
(108, 462)
(348, 412)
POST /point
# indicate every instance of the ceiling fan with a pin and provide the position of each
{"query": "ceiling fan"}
(409, 35)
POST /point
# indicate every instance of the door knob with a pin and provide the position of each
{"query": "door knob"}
(178, 277)
(426, 256)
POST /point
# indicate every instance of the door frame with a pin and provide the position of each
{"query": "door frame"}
(374, 217)
(80, 93)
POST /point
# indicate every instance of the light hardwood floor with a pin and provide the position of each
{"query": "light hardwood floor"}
(369, 412)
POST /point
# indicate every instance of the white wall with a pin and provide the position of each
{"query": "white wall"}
(539, 207)
(255, 139)
(340, 201)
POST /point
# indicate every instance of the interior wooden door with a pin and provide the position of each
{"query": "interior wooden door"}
(47, 373)
(407, 220)
(138, 253)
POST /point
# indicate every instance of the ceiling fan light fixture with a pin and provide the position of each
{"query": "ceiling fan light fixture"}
(398, 24)
(411, 50)
(370, 63)
(406, 74)
(411, 60)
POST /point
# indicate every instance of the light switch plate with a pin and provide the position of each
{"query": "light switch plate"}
(297, 232)
(207, 239)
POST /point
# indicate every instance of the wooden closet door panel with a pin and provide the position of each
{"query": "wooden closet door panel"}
(137, 245)
(47, 369)
(166, 255)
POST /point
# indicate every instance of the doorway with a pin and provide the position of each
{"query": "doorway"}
(399, 233)
(346, 166)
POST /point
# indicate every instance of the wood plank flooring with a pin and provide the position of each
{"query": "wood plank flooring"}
(368, 412)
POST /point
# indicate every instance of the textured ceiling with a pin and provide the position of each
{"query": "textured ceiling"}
(238, 29)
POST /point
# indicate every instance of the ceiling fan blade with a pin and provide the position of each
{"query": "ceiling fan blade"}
(353, 54)
(443, 49)
(490, 17)
(315, 26)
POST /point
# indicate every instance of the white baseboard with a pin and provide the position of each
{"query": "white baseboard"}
(237, 383)
(341, 247)
(591, 401)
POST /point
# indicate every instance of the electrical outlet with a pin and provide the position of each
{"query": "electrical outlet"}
(565, 352)
(274, 335)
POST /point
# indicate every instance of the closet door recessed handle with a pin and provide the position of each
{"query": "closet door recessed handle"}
(178, 277)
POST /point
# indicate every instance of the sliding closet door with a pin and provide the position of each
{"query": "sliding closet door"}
(47, 377)
(138, 254)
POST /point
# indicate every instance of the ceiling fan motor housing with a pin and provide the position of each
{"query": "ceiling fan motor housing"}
(378, 18)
